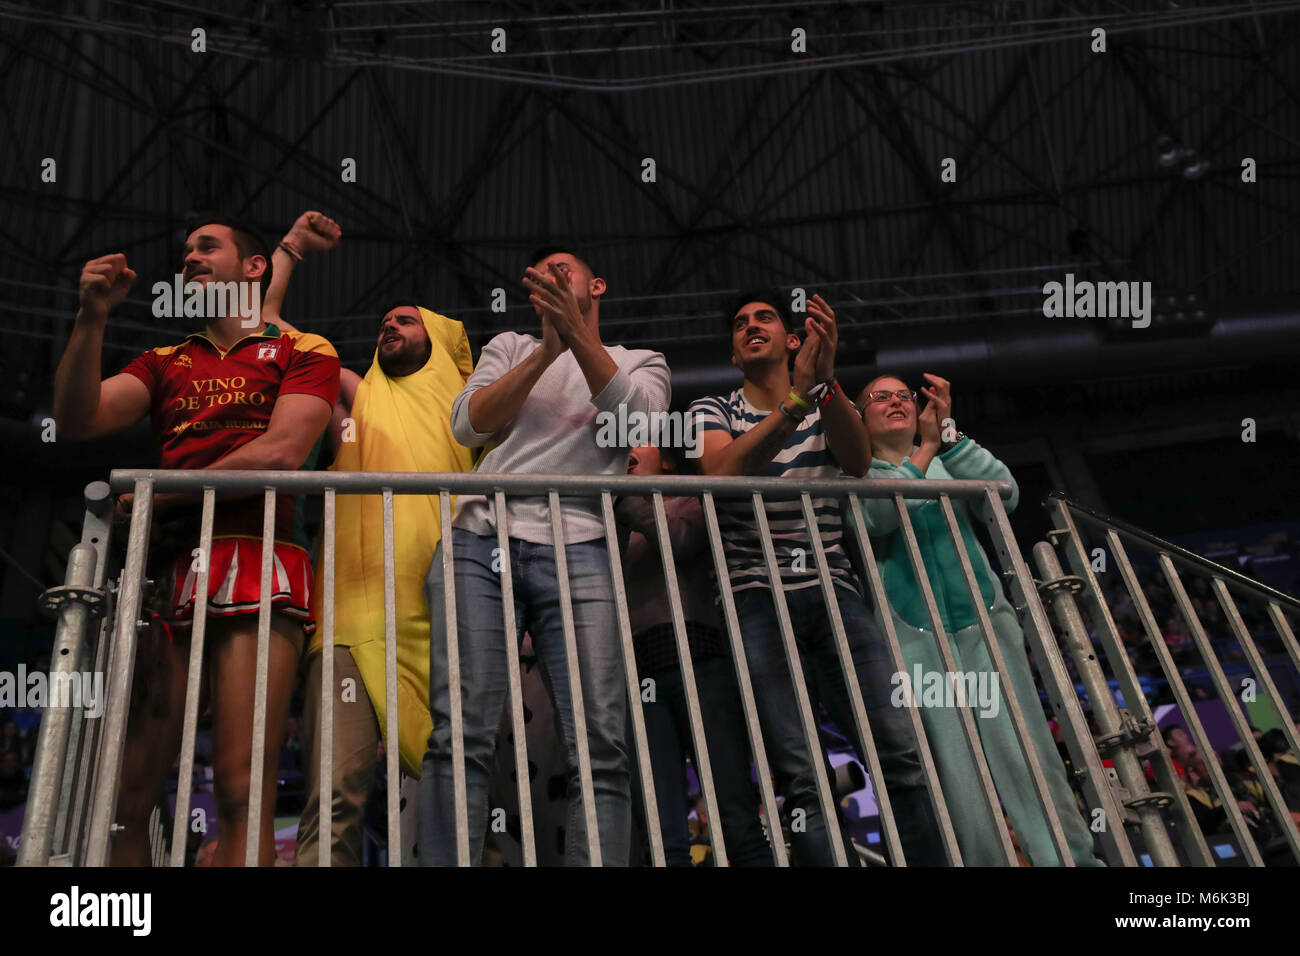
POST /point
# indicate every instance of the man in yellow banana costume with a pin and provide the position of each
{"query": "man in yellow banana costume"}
(395, 418)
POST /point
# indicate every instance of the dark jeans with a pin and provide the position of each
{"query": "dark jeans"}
(787, 748)
(668, 733)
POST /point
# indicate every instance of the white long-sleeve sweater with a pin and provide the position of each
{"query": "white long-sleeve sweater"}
(553, 434)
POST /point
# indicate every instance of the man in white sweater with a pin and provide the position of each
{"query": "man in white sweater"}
(534, 405)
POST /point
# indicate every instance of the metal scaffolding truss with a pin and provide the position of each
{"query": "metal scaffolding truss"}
(819, 169)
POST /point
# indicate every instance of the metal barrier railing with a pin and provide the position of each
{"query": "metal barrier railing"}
(1130, 735)
(78, 765)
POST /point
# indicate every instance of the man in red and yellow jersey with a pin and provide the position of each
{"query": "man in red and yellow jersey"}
(237, 395)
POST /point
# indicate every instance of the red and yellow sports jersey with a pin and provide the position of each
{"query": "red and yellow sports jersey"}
(206, 403)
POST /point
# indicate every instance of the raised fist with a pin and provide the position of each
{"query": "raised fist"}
(314, 232)
(105, 283)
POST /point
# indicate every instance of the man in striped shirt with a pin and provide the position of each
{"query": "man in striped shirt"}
(800, 431)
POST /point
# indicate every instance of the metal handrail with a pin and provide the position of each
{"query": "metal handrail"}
(423, 483)
(1235, 578)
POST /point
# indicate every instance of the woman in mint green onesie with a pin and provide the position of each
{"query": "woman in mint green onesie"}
(889, 410)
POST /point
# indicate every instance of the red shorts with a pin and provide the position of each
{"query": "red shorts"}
(235, 581)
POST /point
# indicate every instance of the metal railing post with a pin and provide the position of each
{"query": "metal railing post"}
(575, 681)
(702, 764)
(256, 770)
(746, 685)
(185, 775)
(1232, 705)
(973, 742)
(79, 763)
(527, 835)
(1122, 727)
(392, 745)
(1181, 697)
(885, 613)
(325, 789)
(455, 698)
(1056, 679)
(879, 787)
(804, 705)
(77, 601)
(654, 831)
(1113, 736)
(121, 667)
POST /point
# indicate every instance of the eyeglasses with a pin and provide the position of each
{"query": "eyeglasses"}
(904, 395)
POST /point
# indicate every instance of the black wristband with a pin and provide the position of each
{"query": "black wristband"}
(947, 446)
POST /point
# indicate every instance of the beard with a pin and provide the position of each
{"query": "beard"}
(407, 360)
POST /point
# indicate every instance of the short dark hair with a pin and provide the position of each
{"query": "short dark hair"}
(401, 302)
(541, 252)
(769, 297)
(1273, 743)
(248, 241)
(1169, 731)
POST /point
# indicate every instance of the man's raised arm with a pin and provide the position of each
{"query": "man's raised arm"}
(85, 406)
(495, 393)
(310, 232)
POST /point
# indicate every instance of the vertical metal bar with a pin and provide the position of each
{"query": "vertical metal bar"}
(1110, 722)
(870, 754)
(1111, 731)
(117, 700)
(70, 786)
(455, 698)
(651, 801)
(527, 836)
(1231, 704)
(1182, 699)
(881, 601)
(806, 720)
(392, 752)
(1019, 719)
(95, 532)
(49, 761)
(1256, 661)
(694, 717)
(575, 680)
(743, 680)
(973, 742)
(155, 836)
(1056, 680)
(253, 837)
(193, 684)
(1284, 632)
(78, 822)
(325, 792)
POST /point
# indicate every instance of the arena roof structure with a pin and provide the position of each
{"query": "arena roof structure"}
(820, 169)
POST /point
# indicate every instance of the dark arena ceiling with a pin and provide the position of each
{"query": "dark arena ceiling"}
(819, 169)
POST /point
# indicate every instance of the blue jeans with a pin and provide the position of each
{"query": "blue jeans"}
(668, 734)
(783, 735)
(483, 681)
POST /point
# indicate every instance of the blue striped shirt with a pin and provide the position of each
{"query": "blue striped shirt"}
(805, 456)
